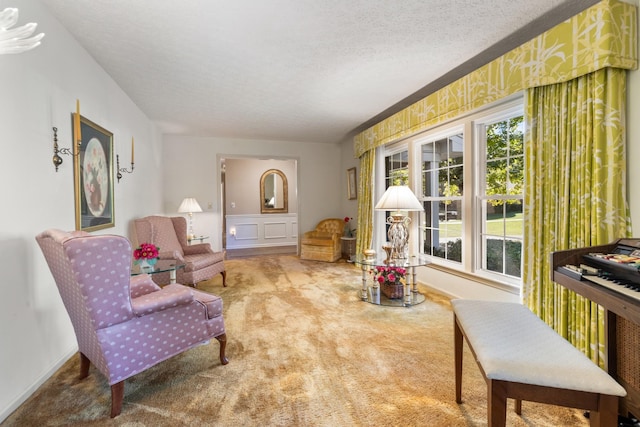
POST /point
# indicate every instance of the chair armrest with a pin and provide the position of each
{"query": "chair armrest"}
(171, 255)
(200, 248)
(170, 296)
(142, 285)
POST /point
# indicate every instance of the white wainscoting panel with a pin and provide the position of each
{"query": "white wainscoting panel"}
(257, 231)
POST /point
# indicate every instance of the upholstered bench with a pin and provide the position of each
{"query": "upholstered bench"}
(522, 358)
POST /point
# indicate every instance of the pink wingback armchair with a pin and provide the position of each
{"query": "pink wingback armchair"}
(170, 235)
(125, 324)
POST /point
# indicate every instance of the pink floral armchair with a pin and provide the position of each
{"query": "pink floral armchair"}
(170, 235)
(125, 324)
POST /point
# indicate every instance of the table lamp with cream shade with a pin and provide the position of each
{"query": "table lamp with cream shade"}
(190, 205)
(398, 198)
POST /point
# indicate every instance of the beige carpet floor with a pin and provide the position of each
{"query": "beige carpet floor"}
(304, 350)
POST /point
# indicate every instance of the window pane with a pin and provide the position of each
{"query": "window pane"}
(443, 180)
(514, 222)
(496, 141)
(516, 136)
(515, 176)
(456, 185)
(496, 177)
(442, 186)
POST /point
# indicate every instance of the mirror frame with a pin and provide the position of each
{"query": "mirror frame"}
(285, 192)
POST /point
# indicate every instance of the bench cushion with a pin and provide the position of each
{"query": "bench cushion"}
(513, 344)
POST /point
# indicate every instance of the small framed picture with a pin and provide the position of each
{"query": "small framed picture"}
(352, 184)
(93, 175)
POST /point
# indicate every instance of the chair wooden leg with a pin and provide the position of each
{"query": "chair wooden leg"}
(84, 366)
(224, 278)
(223, 345)
(117, 396)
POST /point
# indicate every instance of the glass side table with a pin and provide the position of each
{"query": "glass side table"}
(194, 238)
(162, 266)
(371, 293)
(348, 247)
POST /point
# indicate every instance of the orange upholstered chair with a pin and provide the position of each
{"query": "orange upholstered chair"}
(323, 243)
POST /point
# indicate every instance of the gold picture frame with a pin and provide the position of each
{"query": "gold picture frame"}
(93, 175)
(352, 184)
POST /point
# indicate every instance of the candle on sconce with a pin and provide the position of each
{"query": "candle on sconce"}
(76, 122)
(132, 150)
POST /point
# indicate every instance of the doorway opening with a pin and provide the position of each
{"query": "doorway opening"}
(248, 228)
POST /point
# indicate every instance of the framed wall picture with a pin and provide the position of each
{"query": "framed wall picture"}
(93, 175)
(352, 184)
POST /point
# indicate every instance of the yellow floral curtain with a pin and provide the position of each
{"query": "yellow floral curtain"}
(575, 193)
(365, 201)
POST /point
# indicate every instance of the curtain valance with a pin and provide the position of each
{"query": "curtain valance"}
(603, 35)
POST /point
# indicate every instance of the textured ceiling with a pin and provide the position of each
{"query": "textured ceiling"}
(294, 70)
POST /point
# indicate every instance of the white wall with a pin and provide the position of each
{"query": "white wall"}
(243, 183)
(38, 90)
(194, 166)
(349, 207)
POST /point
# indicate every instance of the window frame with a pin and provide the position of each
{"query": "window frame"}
(432, 137)
(471, 216)
(484, 119)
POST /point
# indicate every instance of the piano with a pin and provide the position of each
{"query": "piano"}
(609, 275)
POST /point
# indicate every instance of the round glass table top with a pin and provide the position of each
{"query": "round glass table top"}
(380, 260)
(162, 266)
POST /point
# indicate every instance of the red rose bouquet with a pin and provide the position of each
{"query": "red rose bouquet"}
(390, 275)
(391, 280)
(146, 252)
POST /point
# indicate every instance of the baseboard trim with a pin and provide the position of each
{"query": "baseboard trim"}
(261, 251)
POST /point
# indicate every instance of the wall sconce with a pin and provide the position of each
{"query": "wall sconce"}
(57, 160)
(77, 139)
(125, 170)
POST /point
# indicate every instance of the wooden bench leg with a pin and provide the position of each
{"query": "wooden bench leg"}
(607, 414)
(496, 404)
(518, 406)
(458, 342)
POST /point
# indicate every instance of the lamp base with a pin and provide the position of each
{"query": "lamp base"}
(398, 236)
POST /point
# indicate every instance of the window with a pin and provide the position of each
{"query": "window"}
(396, 172)
(396, 169)
(442, 190)
(501, 195)
(469, 175)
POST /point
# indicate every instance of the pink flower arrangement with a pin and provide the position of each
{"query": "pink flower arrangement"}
(390, 275)
(146, 251)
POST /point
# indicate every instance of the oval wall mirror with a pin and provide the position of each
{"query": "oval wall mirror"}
(273, 192)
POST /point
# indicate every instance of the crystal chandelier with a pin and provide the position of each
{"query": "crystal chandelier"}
(16, 40)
